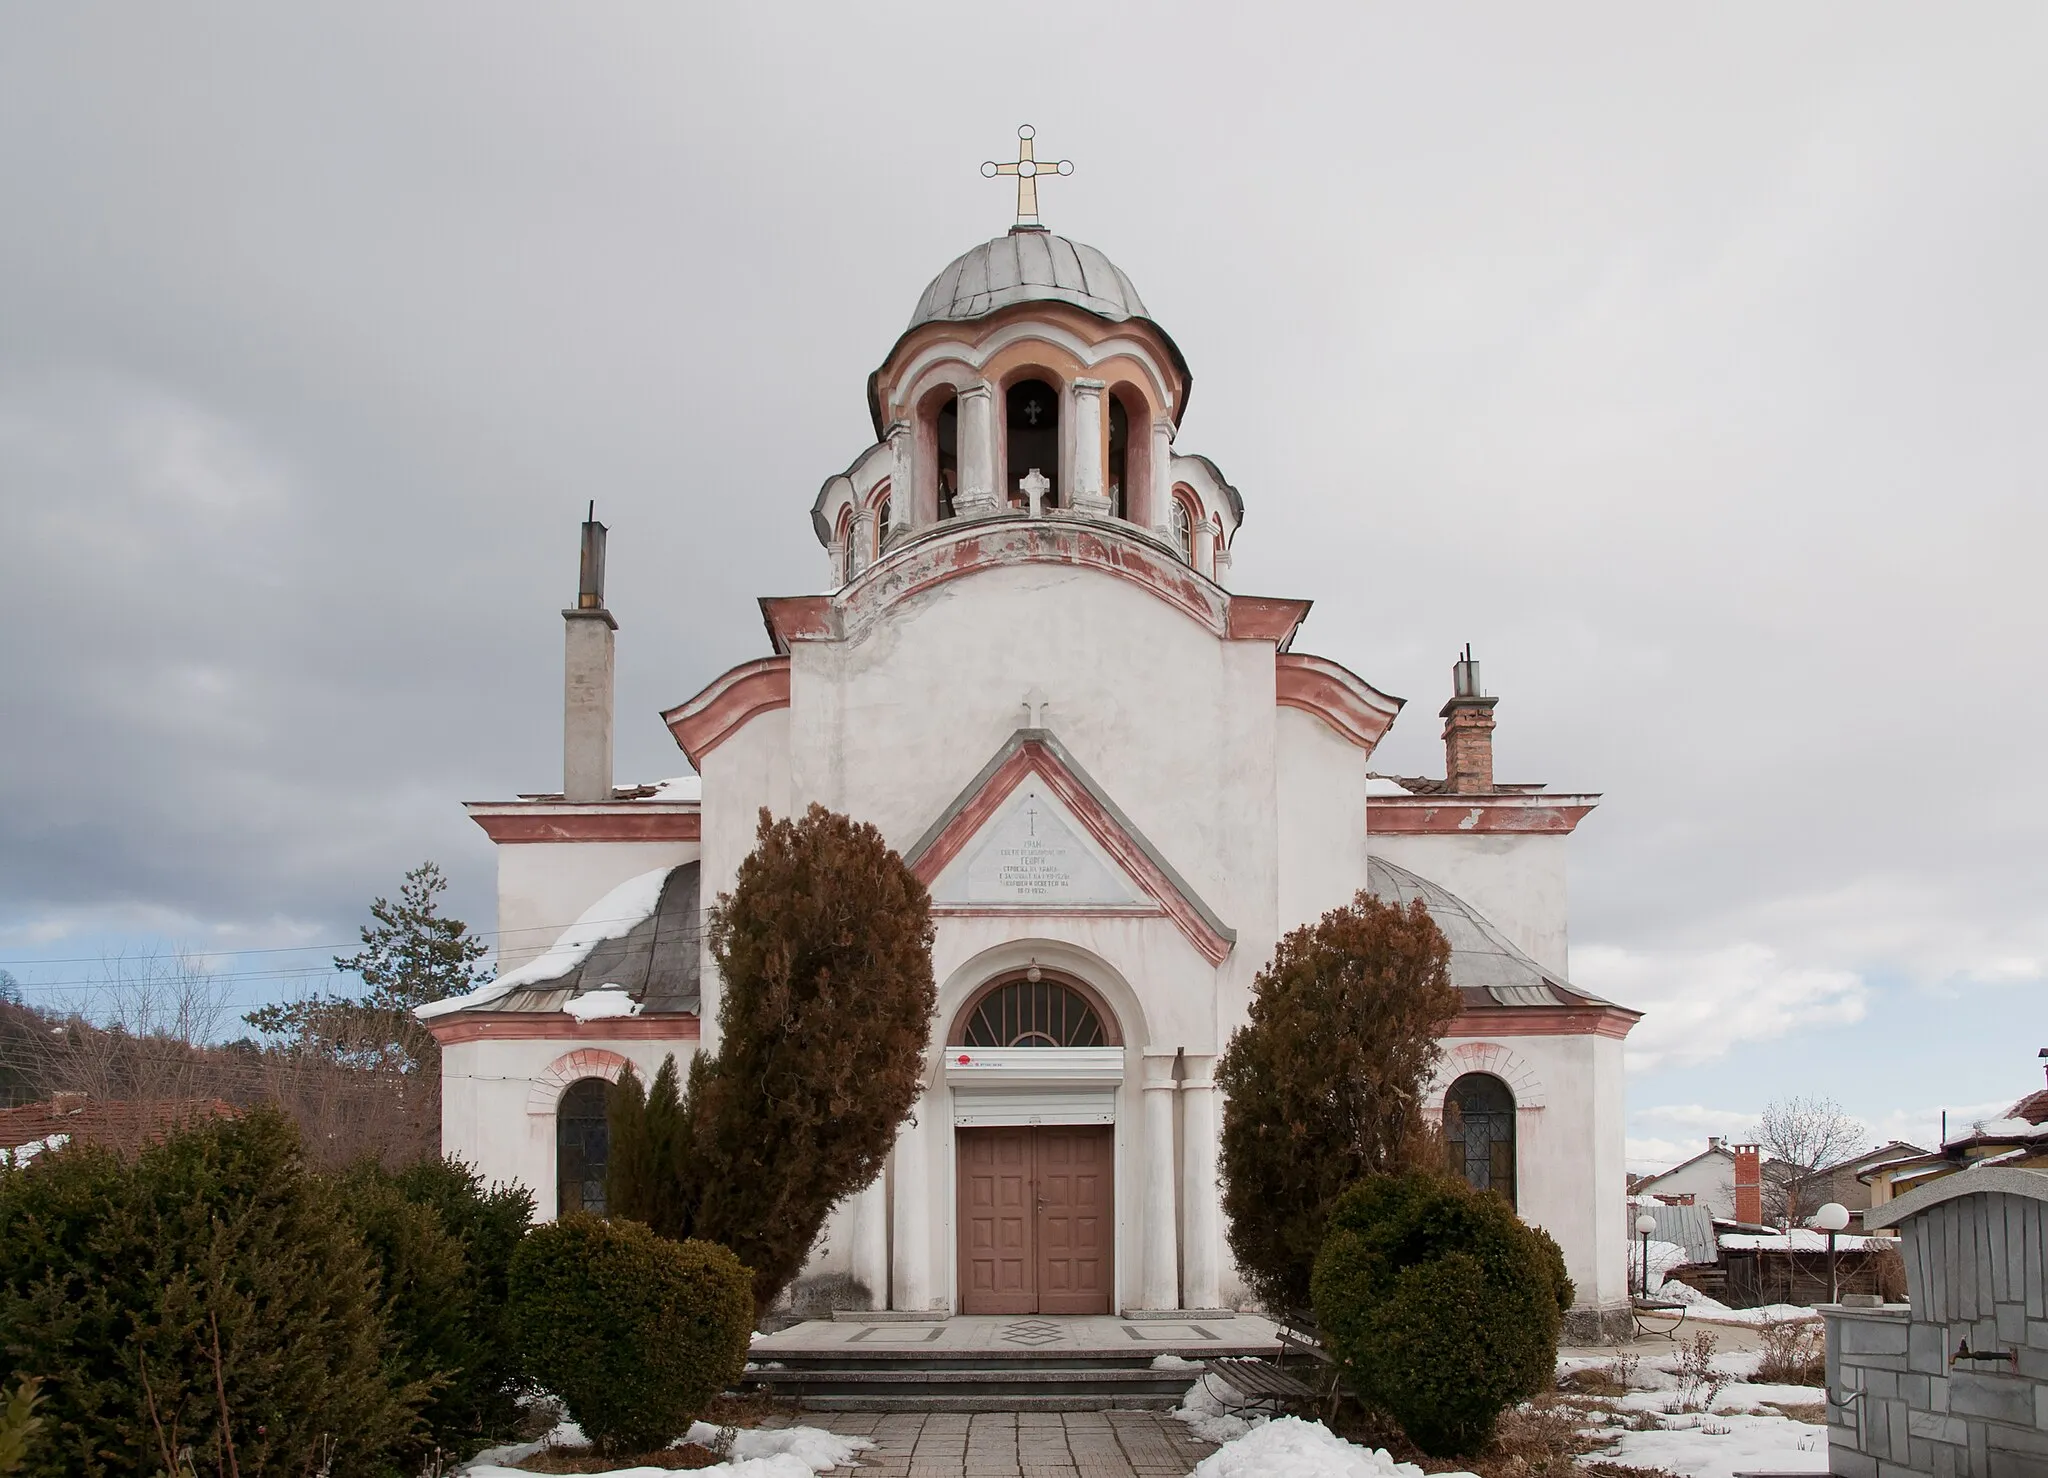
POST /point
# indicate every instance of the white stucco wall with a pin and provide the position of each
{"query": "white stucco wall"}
(498, 1102)
(1518, 881)
(543, 887)
(1320, 810)
(1710, 1179)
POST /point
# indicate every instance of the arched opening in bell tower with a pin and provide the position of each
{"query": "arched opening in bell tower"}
(1032, 429)
(1116, 474)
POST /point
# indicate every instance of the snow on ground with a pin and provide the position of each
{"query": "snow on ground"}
(1214, 1413)
(1288, 1447)
(785, 1452)
(21, 1154)
(1739, 1433)
(1700, 1307)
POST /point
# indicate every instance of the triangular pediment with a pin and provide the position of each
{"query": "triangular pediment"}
(1032, 832)
(1033, 850)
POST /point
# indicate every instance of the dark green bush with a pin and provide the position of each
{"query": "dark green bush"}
(445, 1245)
(633, 1332)
(1443, 1306)
(131, 1288)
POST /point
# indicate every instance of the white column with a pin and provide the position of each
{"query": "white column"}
(870, 1239)
(1160, 1288)
(1222, 575)
(910, 1263)
(860, 541)
(837, 553)
(902, 483)
(1205, 547)
(1089, 497)
(1162, 479)
(1201, 1201)
(977, 453)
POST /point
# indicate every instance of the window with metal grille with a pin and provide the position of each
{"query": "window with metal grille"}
(1040, 1013)
(1479, 1133)
(582, 1147)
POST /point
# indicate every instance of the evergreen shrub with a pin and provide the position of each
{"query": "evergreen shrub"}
(444, 1243)
(1442, 1305)
(211, 1294)
(824, 946)
(1323, 1084)
(635, 1333)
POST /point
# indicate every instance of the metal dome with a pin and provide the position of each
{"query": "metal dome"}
(1028, 267)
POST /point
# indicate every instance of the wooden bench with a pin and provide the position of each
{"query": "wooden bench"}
(1650, 1314)
(1317, 1380)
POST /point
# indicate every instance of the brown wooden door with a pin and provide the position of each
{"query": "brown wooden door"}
(1036, 1220)
(998, 1258)
(1075, 1227)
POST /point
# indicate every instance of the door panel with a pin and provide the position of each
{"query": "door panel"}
(998, 1255)
(1075, 1225)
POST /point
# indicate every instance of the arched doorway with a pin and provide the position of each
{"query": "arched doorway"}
(1479, 1133)
(1035, 1147)
(582, 1147)
(1032, 430)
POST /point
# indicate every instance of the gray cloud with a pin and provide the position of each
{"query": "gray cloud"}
(1688, 366)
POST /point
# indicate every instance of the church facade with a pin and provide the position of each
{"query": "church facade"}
(1122, 781)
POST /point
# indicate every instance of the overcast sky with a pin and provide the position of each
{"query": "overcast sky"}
(1691, 365)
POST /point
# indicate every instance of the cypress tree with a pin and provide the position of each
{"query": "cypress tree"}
(1323, 1085)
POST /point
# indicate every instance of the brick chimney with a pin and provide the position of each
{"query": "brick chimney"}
(1749, 1184)
(1468, 731)
(587, 678)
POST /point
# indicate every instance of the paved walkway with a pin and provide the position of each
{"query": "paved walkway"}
(1024, 1335)
(1013, 1444)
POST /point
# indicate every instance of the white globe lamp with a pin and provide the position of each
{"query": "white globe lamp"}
(1645, 1224)
(1831, 1219)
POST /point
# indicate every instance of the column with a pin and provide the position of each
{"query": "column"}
(910, 1263)
(860, 541)
(1088, 497)
(1162, 479)
(838, 554)
(1204, 547)
(1222, 575)
(870, 1239)
(1160, 1288)
(1201, 1200)
(902, 484)
(977, 453)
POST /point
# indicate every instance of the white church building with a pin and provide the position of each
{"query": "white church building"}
(1122, 781)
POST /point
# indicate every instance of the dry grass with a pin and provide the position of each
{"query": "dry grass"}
(586, 1459)
(1539, 1438)
(1623, 1470)
(1795, 1353)
(1616, 1378)
(1815, 1415)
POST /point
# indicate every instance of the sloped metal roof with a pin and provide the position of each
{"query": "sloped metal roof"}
(1484, 962)
(657, 961)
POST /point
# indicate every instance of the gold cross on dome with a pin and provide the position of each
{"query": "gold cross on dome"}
(1027, 169)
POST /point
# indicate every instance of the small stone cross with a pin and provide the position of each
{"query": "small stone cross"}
(1034, 706)
(1032, 411)
(1034, 485)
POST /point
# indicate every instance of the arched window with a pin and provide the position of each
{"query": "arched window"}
(1119, 468)
(1032, 424)
(582, 1147)
(946, 435)
(1184, 531)
(1035, 1013)
(881, 525)
(1479, 1133)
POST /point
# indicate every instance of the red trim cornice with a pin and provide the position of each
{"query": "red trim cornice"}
(1334, 694)
(553, 1026)
(514, 821)
(1545, 1021)
(1270, 618)
(722, 709)
(1035, 756)
(796, 618)
(1449, 815)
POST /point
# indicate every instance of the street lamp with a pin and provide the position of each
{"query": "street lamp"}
(1832, 1218)
(1646, 1224)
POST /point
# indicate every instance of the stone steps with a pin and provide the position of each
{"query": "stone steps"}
(974, 1383)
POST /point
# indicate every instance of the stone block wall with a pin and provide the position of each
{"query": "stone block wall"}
(1896, 1406)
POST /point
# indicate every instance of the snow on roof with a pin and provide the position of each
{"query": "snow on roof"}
(611, 917)
(608, 1002)
(677, 788)
(1799, 1239)
(2009, 1129)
